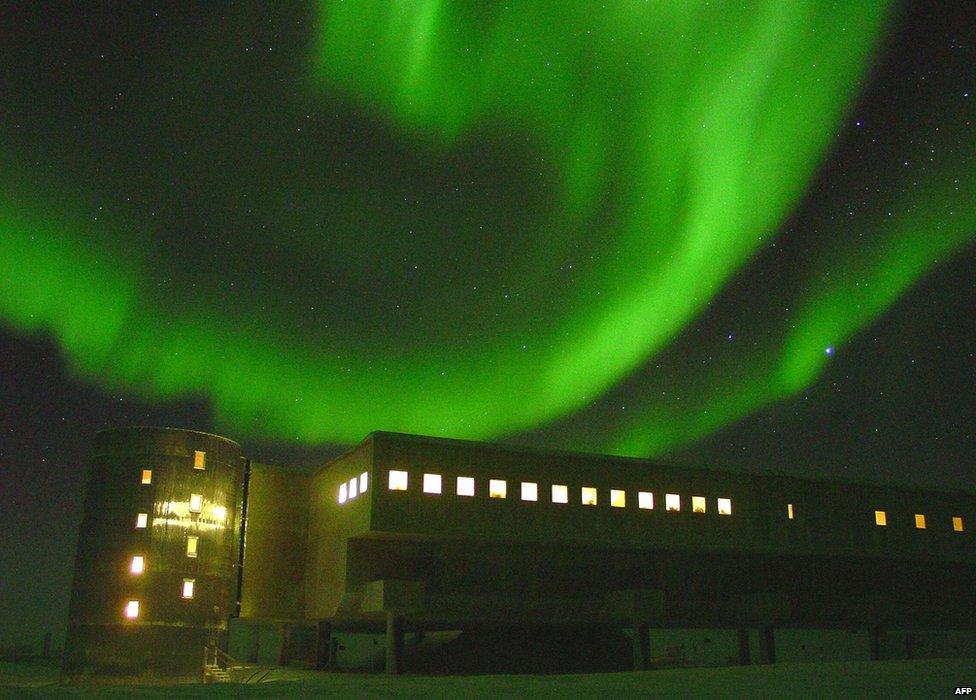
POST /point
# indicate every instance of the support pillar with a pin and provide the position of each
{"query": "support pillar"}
(742, 634)
(767, 646)
(284, 651)
(394, 644)
(323, 645)
(642, 646)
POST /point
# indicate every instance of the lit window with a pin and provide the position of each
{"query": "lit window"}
(588, 494)
(196, 502)
(465, 486)
(142, 520)
(497, 488)
(957, 524)
(880, 518)
(919, 521)
(199, 459)
(363, 481)
(138, 564)
(342, 493)
(191, 546)
(530, 491)
(147, 476)
(132, 609)
(725, 506)
(672, 501)
(398, 481)
(219, 514)
(560, 493)
(618, 498)
(188, 588)
(789, 511)
(432, 483)
(697, 504)
(645, 500)
(353, 485)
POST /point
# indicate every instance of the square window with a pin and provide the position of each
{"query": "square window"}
(880, 518)
(353, 486)
(789, 511)
(142, 519)
(191, 546)
(398, 481)
(188, 588)
(530, 491)
(560, 493)
(957, 524)
(363, 481)
(219, 514)
(465, 486)
(138, 564)
(196, 502)
(132, 609)
(199, 459)
(618, 498)
(697, 504)
(497, 488)
(919, 521)
(672, 502)
(432, 483)
(645, 500)
(343, 492)
(147, 476)
(588, 495)
(725, 506)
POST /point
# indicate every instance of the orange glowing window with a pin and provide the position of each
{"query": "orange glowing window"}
(219, 514)
(147, 476)
(138, 564)
(191, 546)
(363, 482)
(432, 483)
(672, 502)
(725, 506)
(196, 502)
(199, 459)
(142, 519)
(588, 495)
(497, 488)
(880, 518)
(343, 493)
(789, 511)
(919, 521)
(398, 480)
(618, 498)
(530, 491)
(697, 504)
(645, 500)
(353, 487)
(957, 524)
(465, 486)
(132, 609)
(560, 493)
(188, 588)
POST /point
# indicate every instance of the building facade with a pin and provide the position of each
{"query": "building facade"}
(406, 534)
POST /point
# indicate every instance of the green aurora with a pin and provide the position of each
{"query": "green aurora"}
(456, 219)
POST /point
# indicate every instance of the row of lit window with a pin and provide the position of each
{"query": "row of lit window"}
(881, 520)
(199, 462)
(195, 506)
(186, 592)
(559, 493)
(352, 488)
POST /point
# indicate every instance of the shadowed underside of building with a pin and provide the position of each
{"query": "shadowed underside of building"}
(408, 536)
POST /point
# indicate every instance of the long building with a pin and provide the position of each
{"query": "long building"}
(189, 551)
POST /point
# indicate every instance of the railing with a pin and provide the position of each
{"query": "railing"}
(215, 658)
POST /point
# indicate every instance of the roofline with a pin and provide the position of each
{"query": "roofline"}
(127, 428)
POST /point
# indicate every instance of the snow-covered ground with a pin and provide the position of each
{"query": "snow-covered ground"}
(888, 679)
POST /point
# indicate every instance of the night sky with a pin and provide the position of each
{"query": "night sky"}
(731, 237)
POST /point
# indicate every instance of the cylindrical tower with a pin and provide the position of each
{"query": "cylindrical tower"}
(157, 565)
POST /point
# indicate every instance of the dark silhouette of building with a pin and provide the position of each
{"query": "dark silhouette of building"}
(406, 535)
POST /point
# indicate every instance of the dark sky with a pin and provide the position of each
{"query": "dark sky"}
(888, 397)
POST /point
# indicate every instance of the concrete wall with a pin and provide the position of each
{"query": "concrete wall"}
(275, 545)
